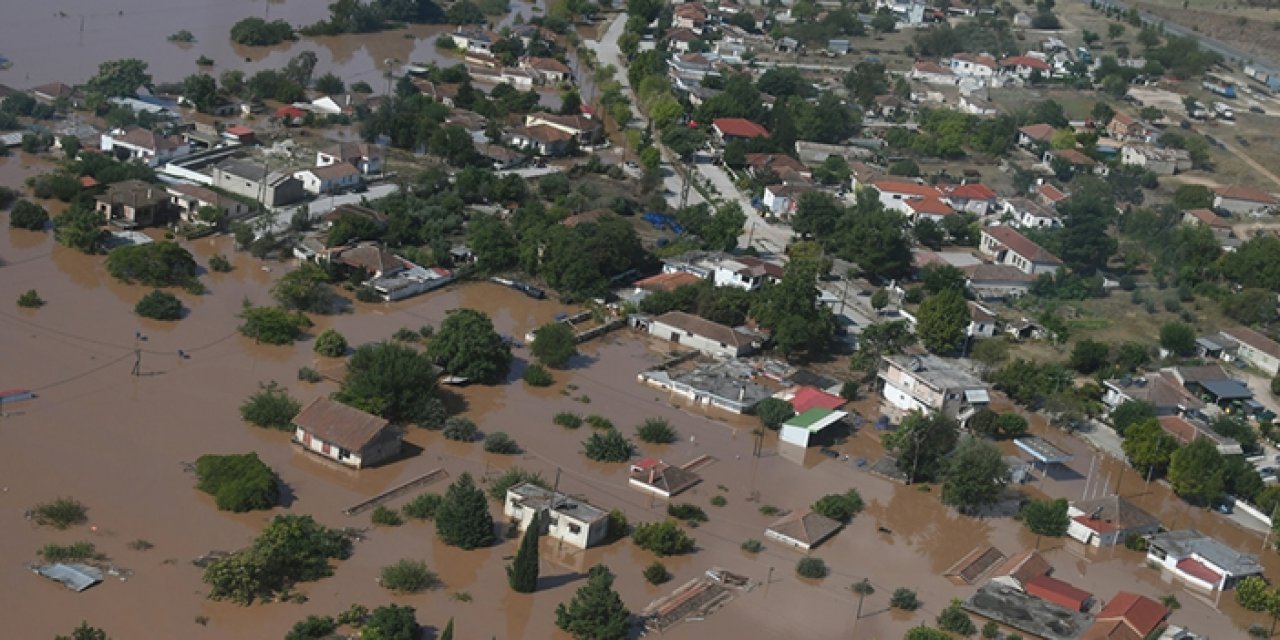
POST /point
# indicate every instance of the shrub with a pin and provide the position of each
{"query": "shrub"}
(367, 293)
(271, 407)
(273, 325)
(601, 422)
(751, 545)
(385, 517)
(405, 334)
(536, 375)
(423, 507)
(554, 345)
(30, 300)
(812, 568)
(904, 599)
(59, 514)
(568, 420)
(220, 264)
(158, 264)
(513, 477)
(238, 483)
(331, 344)
(663, 538)
(953, 618)
(28, 215)
(408, 576)
(607, 446)
(773, 412)
(618, 527)
(499, 442)
(140, 545)
(656, 431)
(718, 501)
(840, 506)
(74, 552)
(307, 374)
(657, 573)
(290, 549)
(312, 628)
(687, 512)
(461, 429)
(159, 305)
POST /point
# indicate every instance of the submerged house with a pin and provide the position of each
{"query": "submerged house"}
(563, 518)
(345, 434)
(1200, 560)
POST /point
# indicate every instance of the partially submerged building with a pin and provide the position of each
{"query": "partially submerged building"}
(1200, 560)
(711, 338)
(800, 428)
(133, 203)
(928, 383)
(345, 434)
(724, 385)
(659, 478)
(802, 530)
(562, 517)
(1108, 521)
(1029, 614)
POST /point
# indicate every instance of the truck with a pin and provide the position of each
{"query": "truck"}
(1219, 85)
(1223, 111)
(1084, 56)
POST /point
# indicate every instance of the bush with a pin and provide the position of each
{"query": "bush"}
(312, 628)
(751, 545)
(513, 477)
(461, 429)
(954, 619)
(238, 483)
(554, 344)
(408, 576)
(158, 264)
(331, 344)
(568, 420)
(290, 549)
(601, 422)
(536, 375)
(307, 374)
(769, 510)
(657, 573)
(812, 568)
(273, 325)
(499, 442)
(718, 501)
(367, 293)
(270, 408)
(773, 412)
(28, 215)
(423, 507)
(663, 538)
(385, 517)
(656, 431)
(159, 305)
(690, 513)
(607, 446)
(1046, 517)
(61, 513)
(904, 599)
(220, 264)
(30, 300)
(74, 552)
(839, 506)
(405, 334)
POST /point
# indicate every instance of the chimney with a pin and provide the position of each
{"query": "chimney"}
(652, 470)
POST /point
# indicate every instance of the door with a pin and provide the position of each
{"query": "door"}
(675, 337)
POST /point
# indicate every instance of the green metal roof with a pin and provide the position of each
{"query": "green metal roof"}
(815, 419)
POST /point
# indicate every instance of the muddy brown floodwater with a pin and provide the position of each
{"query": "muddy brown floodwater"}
(118, 443)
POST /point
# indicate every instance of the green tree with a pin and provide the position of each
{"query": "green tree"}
(394, 381)
(596, 611)
(467, 345)
(874, 238)
(391, 622)
(880, 299)
(1046, 517)
(921, 443)
(1193, 196)
(447, 634)
(312, 628)
(1251, 307)
(119, 78)
(863, 588)
(305, 289)
(1148, 447)
(554, 344)
(839, 506)
(1178, 338)
(331, 344)
(159, 305)
(1012, 425)
(85, 632)
(157, 264)
(944, 317)
(1089, 356)
(774, 411)
(258, 32)
(272, 325)
(664, 538)
(610, 446)
(522, 573)
(28, 215)
(200, 90)
(80, 228)
(1252, 593)
(1129, 413)
(656, 431)
(817, 214)
(493, 243)
(463, 518)
(1196, 471)
(289, 550)
(787, 307)
(975, 476)
(271, 407)
(408, 576)
(238, 483)
(954, 619)
(925, 633)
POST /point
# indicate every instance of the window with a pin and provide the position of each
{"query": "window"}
(574, 529)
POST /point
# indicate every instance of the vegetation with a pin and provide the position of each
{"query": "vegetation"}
(74, 552)
(596, 611)
(304, 289)
(157, 264)
(944, 316)
(331, 344)
(921, 442)
(535, 375)
(1148, 447)
(1046, 517)
(689, 513)
(1196, 472)
(395, 382)
(273, 325)
(954, 619)
(384, 517)
(289, 550)
(656, 573)
(461, 429)
(904, 599)
(30, 299)
(256, 32)
(220, 264)
(408, 576)
(975, 476)
(80, 228)
(61, 513)
(522, 573)
(839, 506)
(423, 506)
(463, 519)
(28, 215)
(84, 632)
(391, 622)
(718, 501)
(751, 545)
(567, 419)
(312, 628)
(238, 482)
(811, 567)
(554, 344)
(599, 422)
(512, 477)
(656, 431)
(774, 411)
(271, 407)
(159, 305)
(662, 538)
(500, 443)
(609, 446)
(467, 345)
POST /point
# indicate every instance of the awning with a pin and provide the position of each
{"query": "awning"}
(977, 396)
(1042, 450)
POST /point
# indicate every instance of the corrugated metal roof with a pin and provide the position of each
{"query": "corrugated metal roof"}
(77, 577)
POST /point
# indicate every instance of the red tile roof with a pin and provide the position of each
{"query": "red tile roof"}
(971, 191)
(547, 64)
(1041, 132)
(807, 398)
(1021, 245)
(1058, 592)
(667, 281)
(1074, 157)
(905, 188)
(1237, 192)
(1199, 570)
(1140, 613)
(984, 60)
(1210, 218)
(1025, 61)
(1051, 193)
(740, 128)
(929, 207)
(929, 67)
(239, 130)
(775, 161)
(1101, 526)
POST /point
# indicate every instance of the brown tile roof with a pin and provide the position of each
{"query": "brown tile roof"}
(986, 272)
(547, 64)
(1252, 338)
(668, 281)
(54, 89)
(1110, 630)
(197, 192)
(703, 327)
(334, 171)
(336, 423)
(370, 257)
(1021, 245)
(355, 210)
(929, 67)
(929, 206)
(1140, 613)
(667, 478)
(1051, 193)
(1208, 217)
(148, 139)
(575, 122)
(739, 128)
(1058, 592)
(682, 34)
(775, 161)
(543, 133)
(1238, 192)
(1076, 158)
(348, 151)
(1116, 512)
(134, 193)
(806, 526)
(978, 314)
(1024, 566)
(1041, 132)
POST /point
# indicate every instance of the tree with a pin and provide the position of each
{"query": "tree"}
(774, 411)
(1148, 447)
(839, 506)
(271, 407)
(975, 476)
(596, 611)
(119, 78)
(1089, 356)
(817, 214)
(611, 446)
(85, 632)
(200, 90)
(904, 599)
(159, 305)
(500, 443)
(289, 550)
(468, 346)
(1196, 471)
(238, 483)
(929, 233)
(663, 538)
(28, 215)
(1129, 413)
(258, 32)
(156, 264)
(880, 299)
(463, 518)
(79, 228)
(330, 84)
(1193, 196)
(1251, 307)
(1046, 517)
(944, 317)
(408, 576)
(304, 289)
(447, 634)
(925, 633)
(554, 344)
(493, 243)
(656, 431)
(937, 279)
(1252, 593)
(272, 325)
(522, 573)
(1012, 425)
(953, 618)
(460, 429)
(813, 568)
(787, 307)
(863, 588)
(875, 240)
(921, 442)
(1178, 338)
(391, 622)
(331, 344)
(393, 381)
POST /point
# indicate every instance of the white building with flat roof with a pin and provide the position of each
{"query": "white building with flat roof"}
(563, 517)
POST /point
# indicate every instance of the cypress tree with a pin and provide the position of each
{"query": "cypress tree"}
(522, 573)
(596, 611)
(463, 518)
(447, 634)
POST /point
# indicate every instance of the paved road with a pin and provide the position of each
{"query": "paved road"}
(757, 232)
(1212, 44)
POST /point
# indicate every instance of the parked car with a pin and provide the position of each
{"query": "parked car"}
(1256, 109)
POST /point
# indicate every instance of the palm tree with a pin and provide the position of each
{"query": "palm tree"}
(863, 588)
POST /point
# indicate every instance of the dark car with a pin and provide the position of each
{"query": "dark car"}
(829, 452)
(1257, 109)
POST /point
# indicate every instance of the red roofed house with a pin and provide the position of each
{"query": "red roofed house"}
(1108, 521)
(1216, 223)
(144, 145)
(689, 15)
(932, 208)
(930, 73)
(806, 398)
(775, 162)
(1021, 568)
(1023, 66)
(895, 193)
(345, 434)
(973, 197)
(728, 129)
(1127, 616)
(291, 115)
(1060, 593)
(1035, 134)
(1078, 161)
(541, 139)
(1124, 127)
(548, 70)
(1049, 195)
(667, 281)
(239, 133)
(1243, 200)
(1006, 246)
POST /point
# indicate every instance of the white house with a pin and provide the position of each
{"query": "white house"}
(782, 199)
(563, 518)
(976, 106)
(725, 270)
(1243, 200)
(1256, 349)
(547, 70)
(1023, 66)
(330, 179)
(894, 193)
(474, 40)
(1108, 521)
(803, 529)
(932, 208)
(342, 104)
(928, 383)
(1162, 162)
(982, 322)
(1006, 246)
(930, 73)
(365, 157)
(345, 434)
(143, 145)
(521, 79)
(1029, 214)
(188, 199)
(974, 197)
(1035, 134)
(981, 66)
(711, 338)
(1200, 560)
